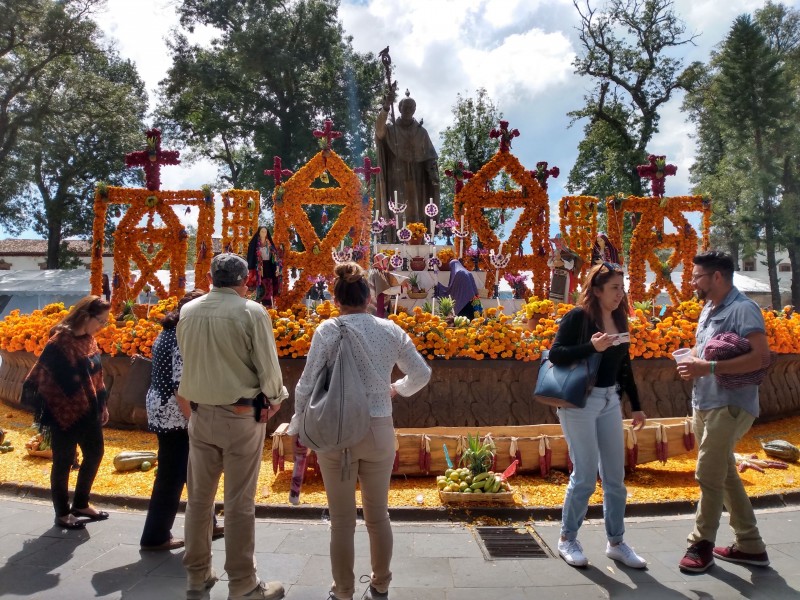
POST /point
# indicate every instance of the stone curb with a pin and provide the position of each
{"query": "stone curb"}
(420, 514)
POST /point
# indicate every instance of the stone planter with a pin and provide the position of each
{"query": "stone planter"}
(461, 393)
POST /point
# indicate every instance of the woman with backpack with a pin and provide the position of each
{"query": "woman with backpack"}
(377, 346)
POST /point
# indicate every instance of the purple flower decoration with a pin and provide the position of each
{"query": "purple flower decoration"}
(434, 262)
(396, 261)
(404, 234)
(377, 226)
(431, 209)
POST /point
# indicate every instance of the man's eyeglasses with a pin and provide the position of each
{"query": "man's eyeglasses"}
(695, 278)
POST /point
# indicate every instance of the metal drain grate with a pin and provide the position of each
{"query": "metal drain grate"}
(510, 542)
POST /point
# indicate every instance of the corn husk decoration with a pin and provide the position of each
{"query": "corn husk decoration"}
(544, 448)
(461, 444)
(688, 435)
(278, 459)
(514, 452)
(396, 465)
(631, 448)
(425, 454)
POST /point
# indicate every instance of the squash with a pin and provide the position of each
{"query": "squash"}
(781, 449)
(130, 460)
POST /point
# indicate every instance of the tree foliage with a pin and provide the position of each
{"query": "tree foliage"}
(467, 140)
(274, 73)
(38, 38)
(747, 138)
(628, 49)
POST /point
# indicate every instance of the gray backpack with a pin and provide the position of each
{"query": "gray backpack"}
(337, 415)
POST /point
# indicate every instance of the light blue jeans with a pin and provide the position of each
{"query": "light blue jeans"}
(595, 440)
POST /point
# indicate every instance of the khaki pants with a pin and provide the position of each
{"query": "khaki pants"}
(222, 440)
(718, 430)
(371, 460)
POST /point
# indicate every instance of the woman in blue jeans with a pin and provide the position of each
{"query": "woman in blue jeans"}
(594, 434)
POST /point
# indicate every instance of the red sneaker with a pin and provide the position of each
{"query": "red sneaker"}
(699, 557)
(733, 554)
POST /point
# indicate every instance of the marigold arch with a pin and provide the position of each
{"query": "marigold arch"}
(295, 193)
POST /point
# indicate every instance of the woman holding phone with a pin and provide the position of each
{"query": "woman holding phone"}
(599, 323)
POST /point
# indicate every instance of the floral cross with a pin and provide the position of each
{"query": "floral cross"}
(460, 174)
(152, 158)
(505, 135)
(542, 173)
(656, 170)
(277, 171)
(367, 170)
(327, 133)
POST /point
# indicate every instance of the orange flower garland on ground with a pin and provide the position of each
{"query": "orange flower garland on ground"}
(578, 225)
(297, 193)
(167, 243)
(534, 220)
(649, 235)
(240, 210)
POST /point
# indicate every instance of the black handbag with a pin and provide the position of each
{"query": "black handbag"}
(567, 386)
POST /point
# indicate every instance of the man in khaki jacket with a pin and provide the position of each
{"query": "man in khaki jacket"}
(230, 371)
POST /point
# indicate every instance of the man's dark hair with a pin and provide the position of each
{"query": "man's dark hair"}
(715, 260)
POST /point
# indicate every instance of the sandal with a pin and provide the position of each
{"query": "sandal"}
(97, 515)
(60, 522)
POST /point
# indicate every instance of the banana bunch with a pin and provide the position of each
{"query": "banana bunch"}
(464, 481)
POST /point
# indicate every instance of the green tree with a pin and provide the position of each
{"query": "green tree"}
(467, 141)
(628, 48)
(37, 39)
(275, 71)
(755, 101)
(96, 116)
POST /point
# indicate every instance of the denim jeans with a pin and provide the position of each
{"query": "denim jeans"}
(595, 439)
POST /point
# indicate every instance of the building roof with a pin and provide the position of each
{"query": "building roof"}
(25, 247)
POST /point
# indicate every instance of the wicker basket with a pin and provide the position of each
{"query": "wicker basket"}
(417, 295)
(461, 498)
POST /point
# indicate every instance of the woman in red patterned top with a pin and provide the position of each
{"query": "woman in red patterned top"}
(69, 379)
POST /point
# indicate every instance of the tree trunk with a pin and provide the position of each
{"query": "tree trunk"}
(794, 260)
(53, 243)
(772, 267)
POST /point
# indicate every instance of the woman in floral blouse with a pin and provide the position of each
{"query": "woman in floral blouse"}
(168, 416)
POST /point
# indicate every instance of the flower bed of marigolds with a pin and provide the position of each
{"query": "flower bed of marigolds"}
(495, 335)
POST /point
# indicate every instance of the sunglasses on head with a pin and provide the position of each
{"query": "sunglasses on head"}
(612, 266)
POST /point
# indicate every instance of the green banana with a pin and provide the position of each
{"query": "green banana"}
(477, 485)
(480, 477)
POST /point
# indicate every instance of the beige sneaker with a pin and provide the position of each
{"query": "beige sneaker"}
(201, 591)
(265, 590)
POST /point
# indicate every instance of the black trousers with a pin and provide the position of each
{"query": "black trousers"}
(86, 434)
(173, 458)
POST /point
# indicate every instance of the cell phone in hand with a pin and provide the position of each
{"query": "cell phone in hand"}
(621, 338)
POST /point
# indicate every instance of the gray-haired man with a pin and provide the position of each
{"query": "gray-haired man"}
(229, 361)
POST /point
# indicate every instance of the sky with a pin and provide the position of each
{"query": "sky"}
(521, 51)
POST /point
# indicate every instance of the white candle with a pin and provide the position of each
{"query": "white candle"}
(433, 228)
(500, 251)
(461, 230)
(395, 196)
(341, 246)
(404, 218)
(376, 214)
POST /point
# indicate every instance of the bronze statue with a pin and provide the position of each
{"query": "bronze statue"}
(408, 162)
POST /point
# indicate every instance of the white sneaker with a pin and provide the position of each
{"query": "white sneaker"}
(625, 554)
(572, 552)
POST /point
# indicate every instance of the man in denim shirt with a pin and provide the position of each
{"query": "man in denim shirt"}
(721, 416)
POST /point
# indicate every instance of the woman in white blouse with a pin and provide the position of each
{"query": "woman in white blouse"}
(384, 345)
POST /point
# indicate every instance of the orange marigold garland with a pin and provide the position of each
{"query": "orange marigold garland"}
(168, 243)
(534, 220)
(296, 193)
(240, 210)
(648, 235)
(578, 225)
